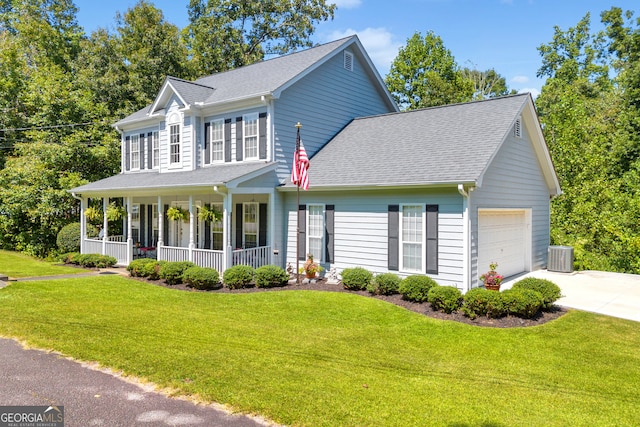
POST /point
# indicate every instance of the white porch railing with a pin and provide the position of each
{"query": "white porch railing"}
(118, 250)
(209, 258)
(172, 253)
(255, 257)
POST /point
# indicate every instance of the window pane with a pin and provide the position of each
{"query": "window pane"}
(315, 231)
(156, 149)
(250, 136)
(217, 140)
(174, 141)
(412, 231)
(135, 152)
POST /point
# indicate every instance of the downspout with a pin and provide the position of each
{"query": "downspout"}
(466, 237)
(226, 226)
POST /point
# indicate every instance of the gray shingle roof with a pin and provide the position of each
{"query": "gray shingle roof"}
(448, 144)
(150, 180)
(256, 79)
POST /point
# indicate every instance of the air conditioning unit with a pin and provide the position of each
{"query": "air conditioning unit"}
(560, 259)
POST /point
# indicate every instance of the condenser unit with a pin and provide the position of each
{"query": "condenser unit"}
(560, 259)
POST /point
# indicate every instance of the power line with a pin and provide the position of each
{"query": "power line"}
(53, 126)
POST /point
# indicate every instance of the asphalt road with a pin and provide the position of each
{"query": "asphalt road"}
(94, 398)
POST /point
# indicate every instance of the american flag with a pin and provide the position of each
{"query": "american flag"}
(299, 174)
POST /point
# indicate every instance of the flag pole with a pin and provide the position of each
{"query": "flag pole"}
(297, 153)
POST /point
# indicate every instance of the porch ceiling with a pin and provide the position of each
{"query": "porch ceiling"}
(167, 182)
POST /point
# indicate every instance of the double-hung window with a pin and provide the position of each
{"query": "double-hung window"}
(155, 149)
(315, 231)
(250, 135)
(174, 144)
(217, 141)
(135, 152)
(250, 225)
(412, 238)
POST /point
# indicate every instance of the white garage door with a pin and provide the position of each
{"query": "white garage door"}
(502, 238)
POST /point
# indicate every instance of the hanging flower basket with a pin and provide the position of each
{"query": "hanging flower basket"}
(92, 213)
(177, 214)
(115, 212)
(206, 213)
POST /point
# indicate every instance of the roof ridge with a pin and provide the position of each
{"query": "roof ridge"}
(339, 41)
(190, 82)
(436, 107)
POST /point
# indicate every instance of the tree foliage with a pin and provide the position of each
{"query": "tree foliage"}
(588, 118)
(225, 34)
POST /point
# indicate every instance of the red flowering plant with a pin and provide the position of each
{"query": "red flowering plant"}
(491, 278)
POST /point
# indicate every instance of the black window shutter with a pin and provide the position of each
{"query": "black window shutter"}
(165, 225)
(141, 147)
(238, 225)
(239, 152)
(150, 150)
(262, 220)
(150, 241)
(302, 235)
(142, 235)
(127, 153)
(431, 254)
(227, 140)
(394, 230)
(207, 232)
(207, 143)
(262, 135)
(329, 227)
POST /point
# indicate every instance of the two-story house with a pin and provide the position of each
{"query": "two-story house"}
(441, 191)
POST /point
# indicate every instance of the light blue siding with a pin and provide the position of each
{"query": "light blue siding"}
(514, 180)
(361, 228)
(323, 102)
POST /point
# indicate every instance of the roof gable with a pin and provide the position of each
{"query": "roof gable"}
(440, 145)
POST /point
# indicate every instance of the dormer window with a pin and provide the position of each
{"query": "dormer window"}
(250, 135)
(174, 144)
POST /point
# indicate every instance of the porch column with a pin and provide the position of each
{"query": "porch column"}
(129, 231)
(192, 228)
(105, 225)
(83, 223)
(226, 227)
(160, 242)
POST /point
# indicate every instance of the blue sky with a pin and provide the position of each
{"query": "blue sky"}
(482, 34)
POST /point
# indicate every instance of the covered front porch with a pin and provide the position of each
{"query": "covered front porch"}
(214, 226)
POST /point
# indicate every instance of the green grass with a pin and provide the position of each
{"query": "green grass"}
(336, 359)
(17, 265)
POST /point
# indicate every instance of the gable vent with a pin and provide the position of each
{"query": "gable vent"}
(517, 129)
(348, 61)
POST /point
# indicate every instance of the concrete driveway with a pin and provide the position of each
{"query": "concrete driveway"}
(613, 294)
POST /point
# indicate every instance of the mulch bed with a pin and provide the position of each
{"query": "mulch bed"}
(422, 308)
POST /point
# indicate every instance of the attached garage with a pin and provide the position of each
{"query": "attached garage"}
(504, 237)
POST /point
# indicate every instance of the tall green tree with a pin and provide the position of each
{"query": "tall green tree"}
(586, 120)
(225, 34)
(487, 84)
(425, 74)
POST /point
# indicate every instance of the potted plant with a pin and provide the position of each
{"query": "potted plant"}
(175, 213)
(311, 268)
(491, 279)
(205, 213)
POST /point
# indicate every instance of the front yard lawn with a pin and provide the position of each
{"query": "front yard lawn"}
(17, 265)
(335, 359)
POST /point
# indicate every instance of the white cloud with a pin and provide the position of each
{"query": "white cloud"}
(347, 4)
(520, 79)
(380, 44)
(532, 90)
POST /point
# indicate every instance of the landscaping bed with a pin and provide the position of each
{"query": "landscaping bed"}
(422, 308)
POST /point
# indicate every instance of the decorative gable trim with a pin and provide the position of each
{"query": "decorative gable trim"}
(164, 96)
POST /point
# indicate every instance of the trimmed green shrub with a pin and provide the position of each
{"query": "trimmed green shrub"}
(483, 302)
(68, 257)
(93, 260)
(445, 298)
(550, 291)
(171, 272)
(356, 278)
(202, 278)
(238, 276)
(137, 267)
(68, 239)
(415, 288)
(151, 270)
(270, 276)
(524, 303)
(384, 284)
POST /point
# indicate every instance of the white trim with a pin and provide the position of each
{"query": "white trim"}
(423, 239)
